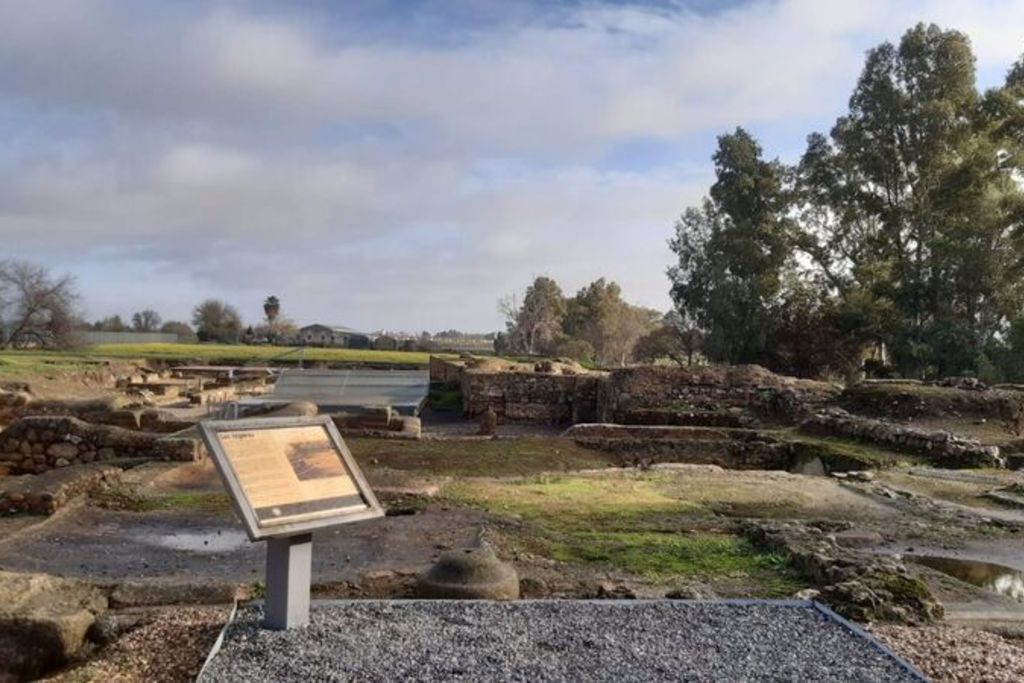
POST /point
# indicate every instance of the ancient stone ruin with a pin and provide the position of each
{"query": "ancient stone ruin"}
(33, 445)
(942, 448)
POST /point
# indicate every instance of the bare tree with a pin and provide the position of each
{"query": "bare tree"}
(36, 309)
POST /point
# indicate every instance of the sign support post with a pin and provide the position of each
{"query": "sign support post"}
(288, 477)
(289, 573)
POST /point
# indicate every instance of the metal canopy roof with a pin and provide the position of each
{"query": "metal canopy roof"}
(346, 390)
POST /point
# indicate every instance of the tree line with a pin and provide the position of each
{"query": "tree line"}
(39, 310)
(895, 244)
(595, 325)
(213, 320)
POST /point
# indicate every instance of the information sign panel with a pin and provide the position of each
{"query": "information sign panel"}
(289, 476)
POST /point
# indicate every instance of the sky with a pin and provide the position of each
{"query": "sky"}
(404, 164)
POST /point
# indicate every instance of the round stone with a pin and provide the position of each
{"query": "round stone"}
(469, 574)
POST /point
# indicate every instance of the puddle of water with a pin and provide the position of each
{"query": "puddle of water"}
(217, 541)
(994, 577)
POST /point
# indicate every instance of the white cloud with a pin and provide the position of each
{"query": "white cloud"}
(238, 150)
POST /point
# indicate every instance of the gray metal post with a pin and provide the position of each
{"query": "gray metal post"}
(289, 570)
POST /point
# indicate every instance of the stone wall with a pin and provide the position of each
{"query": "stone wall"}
(941, 448)
(108, 411)
(645, 445)
(674, 395)
(33, 445)
(726, 396)
(907, 399)
(44, 494)
(446, 371)
(530, 396)
(18, 404)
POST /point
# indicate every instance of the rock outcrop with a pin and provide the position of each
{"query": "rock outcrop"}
(855, 583)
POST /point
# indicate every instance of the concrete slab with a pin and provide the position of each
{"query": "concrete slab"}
(546, 640)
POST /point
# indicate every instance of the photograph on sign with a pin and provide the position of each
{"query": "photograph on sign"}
(285, 473)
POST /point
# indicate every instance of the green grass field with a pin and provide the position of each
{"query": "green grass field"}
(18, 363)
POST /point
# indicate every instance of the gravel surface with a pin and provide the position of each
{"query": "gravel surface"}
(552, 641)
(951, 653)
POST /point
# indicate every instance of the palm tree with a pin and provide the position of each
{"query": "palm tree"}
(271, 308)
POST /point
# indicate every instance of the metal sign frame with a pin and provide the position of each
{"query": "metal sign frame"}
(211, 431)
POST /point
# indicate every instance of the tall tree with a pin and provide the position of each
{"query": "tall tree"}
(910, 207)
(277, 327)
(217, 321)
(271, 309)
(674, 338)
(598, 316)
(146, 320)
(732, 252)
(535, 324)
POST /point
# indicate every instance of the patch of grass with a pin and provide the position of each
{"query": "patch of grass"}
(636, 523)
(240, 353)
(16, 364)
(129, 499)
(575, 503)
(214, 502)
(662, 555)
(473, 458)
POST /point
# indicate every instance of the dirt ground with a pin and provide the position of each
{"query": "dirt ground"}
(59, 378)
(570, 519)
(557, 509)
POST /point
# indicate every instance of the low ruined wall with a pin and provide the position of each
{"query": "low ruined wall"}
(106, 411)
(381, 424)
(530, 396)
(18, 404)
(645, 445)
(905, 399)
(46, 493)
(13, 404)
(36, 444)
(700, 396)
(667, 395)
(445, 371)
(942, 448)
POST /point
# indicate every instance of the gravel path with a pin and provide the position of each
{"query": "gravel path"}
(956, 654)
(552, 641)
